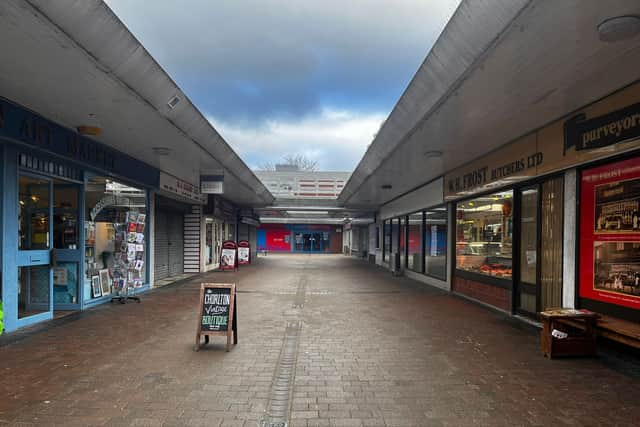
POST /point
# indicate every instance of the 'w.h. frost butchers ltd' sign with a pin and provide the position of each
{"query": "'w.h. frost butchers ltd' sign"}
(602, 131)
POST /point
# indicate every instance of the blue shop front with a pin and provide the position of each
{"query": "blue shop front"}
(74, 219)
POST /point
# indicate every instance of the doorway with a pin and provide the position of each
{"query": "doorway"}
(308, 242)
(49, 251)
(539, 282)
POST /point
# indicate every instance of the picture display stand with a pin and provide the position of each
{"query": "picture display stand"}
(129, 257)
(217, 313)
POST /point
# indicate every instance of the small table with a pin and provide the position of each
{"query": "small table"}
(568, 320)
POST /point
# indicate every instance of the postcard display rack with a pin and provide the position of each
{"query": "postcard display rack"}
(128, 264)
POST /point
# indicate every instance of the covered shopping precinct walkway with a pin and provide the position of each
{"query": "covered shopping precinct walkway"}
(411, 290)
(370, 350)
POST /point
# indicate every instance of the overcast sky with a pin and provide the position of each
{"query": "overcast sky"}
(279, 77)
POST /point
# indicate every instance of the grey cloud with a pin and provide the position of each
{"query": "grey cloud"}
(253, 60)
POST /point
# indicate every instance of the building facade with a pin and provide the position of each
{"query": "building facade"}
(550, 219)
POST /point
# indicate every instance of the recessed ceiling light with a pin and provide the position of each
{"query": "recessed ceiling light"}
(433, 154)
(173, 102)
(162, 151)
(619, 28)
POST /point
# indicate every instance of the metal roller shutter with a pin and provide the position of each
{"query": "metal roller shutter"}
(175, 227)
(161, 246)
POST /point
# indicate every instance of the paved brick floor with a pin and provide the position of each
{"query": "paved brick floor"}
(373, 350)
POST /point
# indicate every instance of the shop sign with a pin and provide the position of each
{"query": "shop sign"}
(244, 252)
(229, 256)
(212, 183)
(31, 129)
(223, 209)
(516, 161)
(604, 130)
(218, 313)
(181, 188)
(250, 221)
(107, 200)
(610, 234)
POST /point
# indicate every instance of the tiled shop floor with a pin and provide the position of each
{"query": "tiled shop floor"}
(370, 349)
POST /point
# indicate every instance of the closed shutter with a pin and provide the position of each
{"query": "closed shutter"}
(192, 240)
(161, 246)
(176, 243)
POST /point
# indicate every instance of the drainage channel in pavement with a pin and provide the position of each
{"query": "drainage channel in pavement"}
(279, 406)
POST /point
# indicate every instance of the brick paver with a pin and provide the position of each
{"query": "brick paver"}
(373, 350)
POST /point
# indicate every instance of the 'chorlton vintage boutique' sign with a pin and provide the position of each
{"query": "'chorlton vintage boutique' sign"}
(218, 313)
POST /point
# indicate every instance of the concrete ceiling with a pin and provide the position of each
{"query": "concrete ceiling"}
(67, 59)
(501, 69)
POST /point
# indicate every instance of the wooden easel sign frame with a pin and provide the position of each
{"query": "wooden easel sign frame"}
(218, 313)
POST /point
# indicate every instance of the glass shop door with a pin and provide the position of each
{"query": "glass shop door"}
(35, 285)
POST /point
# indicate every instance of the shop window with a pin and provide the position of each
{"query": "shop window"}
(115, 238)
(65, 215)
(435, 242)
(395, 235)
(34, 206)
(386, 250)
(484, 234)
(208, 234)
(414, 245)
(65, 283)
(33, 290)
(402, 243)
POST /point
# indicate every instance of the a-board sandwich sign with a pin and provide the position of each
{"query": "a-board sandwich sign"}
(244, 252)
(218, 313)
(229, 255)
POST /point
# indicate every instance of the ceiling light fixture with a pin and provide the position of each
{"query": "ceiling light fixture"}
(91, 127)
(433, 154)
(162, 151)
(173, 102)
(619, 28)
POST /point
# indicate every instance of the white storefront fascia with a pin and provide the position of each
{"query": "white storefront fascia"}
(427, 196)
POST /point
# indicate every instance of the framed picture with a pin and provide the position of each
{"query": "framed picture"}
(96, 290)
(105, 284)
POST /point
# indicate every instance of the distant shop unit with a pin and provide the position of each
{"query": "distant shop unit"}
(299, 238)
(220, 222)
(74, 219)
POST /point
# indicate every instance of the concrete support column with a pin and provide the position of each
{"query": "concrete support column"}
(151, 222)
(569, 250)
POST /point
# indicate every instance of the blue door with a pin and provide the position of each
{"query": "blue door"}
(35, 286)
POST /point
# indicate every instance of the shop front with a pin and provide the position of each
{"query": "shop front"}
(73, 219)
(550, 219)
(305, 238)
(219, 226)
(414, 231)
